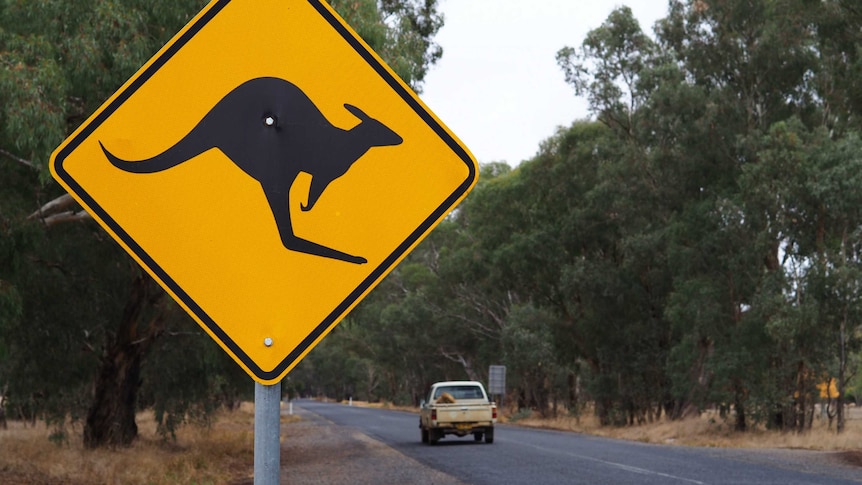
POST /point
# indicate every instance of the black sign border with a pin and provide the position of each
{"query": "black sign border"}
(341, 309)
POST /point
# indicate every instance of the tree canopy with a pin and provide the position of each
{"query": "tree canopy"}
(692, 245)
(84, 332)
(696, 243)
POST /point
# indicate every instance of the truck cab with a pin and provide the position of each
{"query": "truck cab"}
(457, 408)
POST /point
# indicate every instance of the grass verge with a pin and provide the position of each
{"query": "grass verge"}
(705, 430)
(711, 431)
(221, 453)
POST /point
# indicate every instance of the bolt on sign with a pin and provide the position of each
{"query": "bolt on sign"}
(268, 170)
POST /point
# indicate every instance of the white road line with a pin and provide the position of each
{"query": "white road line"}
(621, 466)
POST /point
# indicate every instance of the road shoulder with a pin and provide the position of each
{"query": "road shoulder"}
(314, 451)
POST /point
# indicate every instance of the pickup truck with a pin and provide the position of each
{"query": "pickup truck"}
(459, 408)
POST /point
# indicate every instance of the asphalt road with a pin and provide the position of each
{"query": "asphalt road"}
(539, 457)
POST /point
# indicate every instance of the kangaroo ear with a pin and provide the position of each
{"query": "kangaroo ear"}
(357, 112)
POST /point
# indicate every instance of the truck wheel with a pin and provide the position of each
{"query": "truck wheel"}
(434, 436)
(477, 436)
(489, 436)
(424, 435)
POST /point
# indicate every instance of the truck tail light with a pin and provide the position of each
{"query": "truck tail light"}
(494, 412)
(433, 415)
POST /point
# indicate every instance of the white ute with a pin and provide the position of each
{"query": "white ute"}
(459, 408)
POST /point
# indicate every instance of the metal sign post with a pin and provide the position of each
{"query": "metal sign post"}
(497, 381)
(260, 148)
(267, 427)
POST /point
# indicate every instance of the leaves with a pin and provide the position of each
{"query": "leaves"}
(75, 311)
(400, 31)
(696, 246)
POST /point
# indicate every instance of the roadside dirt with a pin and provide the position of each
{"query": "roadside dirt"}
(853, 458)
(31, 478)
(316, 451)
(837, 464)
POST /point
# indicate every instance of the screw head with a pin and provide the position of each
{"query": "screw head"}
(267, 341)
(269, 121)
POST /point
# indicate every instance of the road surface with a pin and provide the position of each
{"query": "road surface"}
(532, 457)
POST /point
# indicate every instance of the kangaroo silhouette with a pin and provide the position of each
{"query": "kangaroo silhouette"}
(272, 131)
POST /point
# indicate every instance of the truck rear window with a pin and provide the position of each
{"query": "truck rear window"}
(459, 392)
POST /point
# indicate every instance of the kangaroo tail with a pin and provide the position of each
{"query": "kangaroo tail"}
(187, 148)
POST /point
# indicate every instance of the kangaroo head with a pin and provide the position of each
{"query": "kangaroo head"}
(371, 131)
(362, 137)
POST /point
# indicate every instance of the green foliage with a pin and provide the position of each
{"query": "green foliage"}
(730, 145)
(74, 307)
(186, 377)
(61, 60)
(699, 244)
(696, 246)
(400, 31)
(530, 354)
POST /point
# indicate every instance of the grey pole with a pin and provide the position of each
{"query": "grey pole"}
(267, 425)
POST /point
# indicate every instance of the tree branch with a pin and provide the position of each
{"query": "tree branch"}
(465, 363)
(59, 203)
(68, 216)
(18, 159)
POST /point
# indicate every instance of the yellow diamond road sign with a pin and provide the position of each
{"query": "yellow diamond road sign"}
(268, 169)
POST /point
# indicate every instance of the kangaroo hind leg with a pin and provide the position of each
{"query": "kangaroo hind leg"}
(281, 211)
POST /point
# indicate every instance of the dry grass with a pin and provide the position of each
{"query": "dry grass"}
(706, 430)
(711, 431)
(380, 405)
(222, 453)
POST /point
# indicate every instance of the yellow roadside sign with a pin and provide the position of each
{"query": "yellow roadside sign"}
(268, 170)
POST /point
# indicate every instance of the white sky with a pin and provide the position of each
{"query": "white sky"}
(498, 86)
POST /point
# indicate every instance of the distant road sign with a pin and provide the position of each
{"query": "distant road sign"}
(497, 379)
(268, 170)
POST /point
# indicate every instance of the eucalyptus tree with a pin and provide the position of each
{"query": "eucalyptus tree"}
(691, 108)
(64, 287)
(631, 83)
(745, 64)
(86, 304)
(812, 199)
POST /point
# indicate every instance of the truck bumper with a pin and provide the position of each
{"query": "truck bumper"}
(463, 429)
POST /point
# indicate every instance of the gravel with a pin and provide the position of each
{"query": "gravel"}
(837, 464)
(316, 451)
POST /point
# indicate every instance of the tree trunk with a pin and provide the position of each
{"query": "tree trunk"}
(798, 411)
(842, 336)
(111, 417)
(739, 408)
(842, 365)
(573, 394)
(3, 407)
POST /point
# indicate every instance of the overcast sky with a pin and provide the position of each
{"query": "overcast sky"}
(498, 87)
